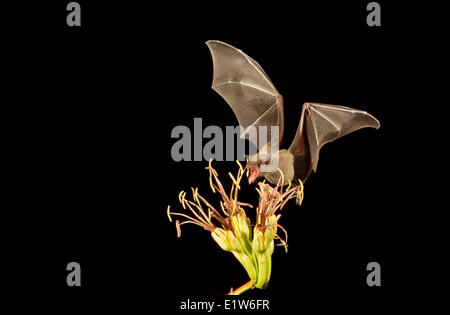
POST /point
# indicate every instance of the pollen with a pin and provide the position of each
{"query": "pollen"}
(195, 194)
(177, 225)
(235, 182)
(168, 213)
(282, 179)
(240, 166)
(289, 186)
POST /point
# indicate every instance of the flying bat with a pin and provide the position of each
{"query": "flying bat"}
(255, 101)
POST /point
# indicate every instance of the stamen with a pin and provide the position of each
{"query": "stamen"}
(207, 228)
(195, 194)
(210, 163)
(223, 208)
(212, 172)
(283, 242)
(177, 224)
(189, 218)
(211, 183)
(183, 200)
(290, 184)
(203, 218)
(231, 192)
(301, 192)
(234, 180)
(215, 212)
(211, 168)
(245, 204)
(240, 166)
(282, 179)
(168, 213)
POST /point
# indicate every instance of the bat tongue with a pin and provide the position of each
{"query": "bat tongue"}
(252, 177)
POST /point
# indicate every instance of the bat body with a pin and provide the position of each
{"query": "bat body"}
(285, 164)
(245, 86)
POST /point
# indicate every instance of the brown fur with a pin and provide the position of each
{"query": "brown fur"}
(286, 165)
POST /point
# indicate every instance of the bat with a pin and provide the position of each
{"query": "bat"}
(255, 101)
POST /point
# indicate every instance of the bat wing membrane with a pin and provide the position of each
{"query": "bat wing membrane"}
(245, 86)
(320, 124)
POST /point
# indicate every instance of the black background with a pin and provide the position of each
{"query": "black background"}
(108, 95)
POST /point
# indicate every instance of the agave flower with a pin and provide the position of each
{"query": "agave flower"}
(230, 227)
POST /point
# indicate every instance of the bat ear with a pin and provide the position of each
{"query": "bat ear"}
(251, 158)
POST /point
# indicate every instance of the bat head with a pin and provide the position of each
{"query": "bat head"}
(254, 167)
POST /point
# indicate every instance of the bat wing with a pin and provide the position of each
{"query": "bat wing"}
(245, 86)
(320, 124)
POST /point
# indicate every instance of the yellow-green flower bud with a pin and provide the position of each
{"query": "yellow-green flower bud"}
(241, 225)
(271, 248)
(244, 224)
(268, 236)
(235, 245)
(273, 220)
(271, 230)
(258, 242)
(235, 224)
(221, 238)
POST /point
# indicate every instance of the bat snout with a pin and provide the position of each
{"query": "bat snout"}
(253, 171)
(253, 175)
